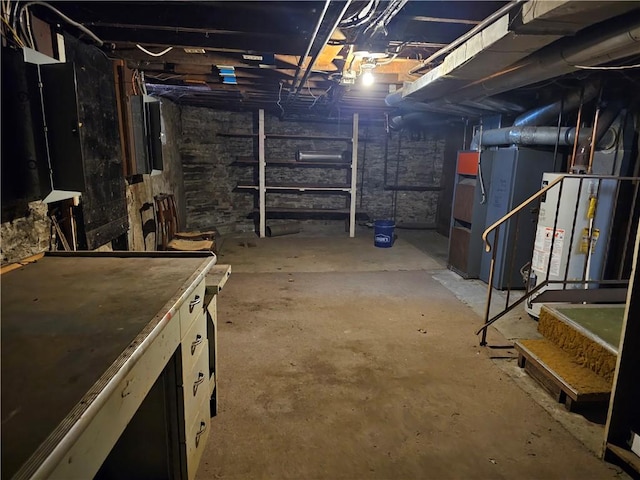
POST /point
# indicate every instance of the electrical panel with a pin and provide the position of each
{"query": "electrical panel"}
(42, 154)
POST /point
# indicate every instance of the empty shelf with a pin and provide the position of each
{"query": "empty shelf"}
(299, 188)
(288, 212)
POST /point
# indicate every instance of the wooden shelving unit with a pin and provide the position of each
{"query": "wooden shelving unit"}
(299, 188)
(280, 136)
(238, 135)
(261, 188)
(244, 162)
(296, 212)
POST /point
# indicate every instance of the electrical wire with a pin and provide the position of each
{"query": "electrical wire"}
(280, 98)
(320, 96)
(70, 21)
(358, 15)
(359, 23)
(386, 16)
(28, 30)
(16, 38)
(310, 92)
(143, 84)
(159, 54)
(388, 61)
(8, 30)
(164, 76)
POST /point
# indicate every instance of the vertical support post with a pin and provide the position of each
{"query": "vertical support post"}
(261, 174)
(354, 177)
(623, 406)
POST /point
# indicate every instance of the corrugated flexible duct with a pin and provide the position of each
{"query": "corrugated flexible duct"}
(529, 136)
(543, 115)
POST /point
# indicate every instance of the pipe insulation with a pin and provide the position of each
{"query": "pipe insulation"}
(594, 46)
(408, 105)
(283, 229)
(529, 136)
(415, 119)
(329, 157)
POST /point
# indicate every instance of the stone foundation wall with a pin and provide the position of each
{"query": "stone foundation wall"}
(414, 160)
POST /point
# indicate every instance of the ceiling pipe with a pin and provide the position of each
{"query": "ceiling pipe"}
(416, 119)
(460, 40)
(543, 115)
(602, 122)
(529, 136)
(474, 109)
(315, 55)
(593, 47)
(311, 42)
(385, 17)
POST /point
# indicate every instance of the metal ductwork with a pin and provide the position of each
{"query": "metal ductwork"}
(529, 136)
(544, 115)
(414, 119)
(478, 108)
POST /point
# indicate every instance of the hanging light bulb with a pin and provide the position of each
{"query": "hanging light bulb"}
(367, 78)
(366, 67)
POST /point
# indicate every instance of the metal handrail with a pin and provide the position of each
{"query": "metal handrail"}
(517, 210)
(537, 195)
(495, 227)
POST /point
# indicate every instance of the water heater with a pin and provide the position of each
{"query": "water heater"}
(584, 210)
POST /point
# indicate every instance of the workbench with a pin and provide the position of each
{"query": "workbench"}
(108, 364)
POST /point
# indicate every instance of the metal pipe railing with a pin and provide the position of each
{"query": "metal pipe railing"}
(491, 246)
(520, 207)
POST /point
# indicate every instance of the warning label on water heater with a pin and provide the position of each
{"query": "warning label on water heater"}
(545, 241)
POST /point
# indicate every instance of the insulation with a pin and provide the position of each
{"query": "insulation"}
(585, 351)
(583, 380)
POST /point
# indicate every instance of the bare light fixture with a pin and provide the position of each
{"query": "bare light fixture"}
(367, 64)
(367, 78)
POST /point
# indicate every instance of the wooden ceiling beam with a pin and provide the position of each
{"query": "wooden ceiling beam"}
(285, 44)
(256, 17)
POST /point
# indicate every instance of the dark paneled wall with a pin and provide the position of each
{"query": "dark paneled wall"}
(103, 202)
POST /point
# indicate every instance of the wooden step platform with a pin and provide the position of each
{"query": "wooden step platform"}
(584, 346)
(561, 375)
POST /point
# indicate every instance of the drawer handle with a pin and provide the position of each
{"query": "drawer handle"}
(198, 382)
(194, 302)
(195, 344)
(201, 430)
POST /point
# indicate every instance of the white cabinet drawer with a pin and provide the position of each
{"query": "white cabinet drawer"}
(196, 441)
(195, 386)
(192, 307)
(193, 343)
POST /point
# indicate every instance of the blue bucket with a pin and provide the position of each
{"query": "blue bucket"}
(383, 233)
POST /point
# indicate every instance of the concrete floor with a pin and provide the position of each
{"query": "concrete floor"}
(342, 360)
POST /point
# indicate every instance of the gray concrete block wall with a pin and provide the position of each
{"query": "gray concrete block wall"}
(412, 161)
(210, 180)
